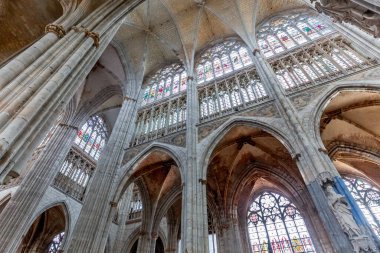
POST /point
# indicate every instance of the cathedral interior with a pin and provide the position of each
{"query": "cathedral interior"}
(189, 126)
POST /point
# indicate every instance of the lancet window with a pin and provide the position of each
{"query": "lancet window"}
(165, 82)
(367, 197)
(92, 137)
(56, 244)
(75, 174)
(221, 60)
(136, 206)
(276, 225)
(160, 120)
(288, 31)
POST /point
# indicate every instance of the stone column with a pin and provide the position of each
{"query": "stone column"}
(309, 160)
(91, 230)
(43, 92)
(122, 236)
(194, 203)
(22, 205)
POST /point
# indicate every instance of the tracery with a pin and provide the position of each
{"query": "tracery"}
(136, 207)
(304, 51)
(367, 196)
(92, 136)
(221, 60)
(56, 244)
(276, 225)
(165, 82)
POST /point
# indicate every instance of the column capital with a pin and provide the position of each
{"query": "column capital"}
(56, 29)
(190, 78)
(202, 181)
(255, 51)
(113, 204)
(129, 98)
(91, 34)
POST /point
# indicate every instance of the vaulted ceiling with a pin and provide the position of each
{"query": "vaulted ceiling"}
(159, 32)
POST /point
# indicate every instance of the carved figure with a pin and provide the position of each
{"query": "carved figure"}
(343, 212)
(350, 12)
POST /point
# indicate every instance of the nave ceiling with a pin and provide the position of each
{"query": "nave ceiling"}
(160, 32)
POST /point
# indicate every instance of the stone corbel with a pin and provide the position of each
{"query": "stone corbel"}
(113, 204)
(93, 35)
(296, 157)
(255, 51)
(190, 78)
(56, 29)
(325, 178)
(202, 181)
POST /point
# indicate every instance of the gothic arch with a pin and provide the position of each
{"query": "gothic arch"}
(325, 98)
(212, 141)
(50, 211)
(128, 169)
(133, 237)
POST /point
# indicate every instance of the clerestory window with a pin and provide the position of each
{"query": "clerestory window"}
(92, 136)
(165, 82)
(221, 60)
(56, 244)
(282, 33)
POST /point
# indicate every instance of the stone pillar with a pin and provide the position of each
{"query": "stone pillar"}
(91, 230)
(309, 160)
(153, 240)
(194, 203)
(172, 237)
(122, 235)
(43, 91)
(20, 208)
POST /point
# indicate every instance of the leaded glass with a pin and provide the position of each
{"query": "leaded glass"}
(91, 138)
(284, 32)
(165, 82)
(367, 197)
(276, 225)
(56, 244)
(222, 59)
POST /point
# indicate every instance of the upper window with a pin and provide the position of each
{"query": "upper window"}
(287, 31)
(367, 197)
(276, 225)
(165, 82)
(92, 137)
(222, 59)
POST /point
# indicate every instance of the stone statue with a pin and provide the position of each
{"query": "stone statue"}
(342, 211)
(350, 12)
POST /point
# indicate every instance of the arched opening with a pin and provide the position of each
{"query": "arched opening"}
(350, 132)
(156, 200)
(47, 233)
(159, 246)
(134, 247)
(246, 162)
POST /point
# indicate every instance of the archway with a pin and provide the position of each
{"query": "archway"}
(159, 246)
(47, 233)
(246, 161)
(350, 132)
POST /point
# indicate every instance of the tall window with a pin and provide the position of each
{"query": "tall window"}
(136, 207)
(367, 197)
(56, 244)
(285, 32)
(222, 59)
(165, 82)
(92, 137)
(275, 225)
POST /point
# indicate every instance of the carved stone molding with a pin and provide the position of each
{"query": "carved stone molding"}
(56, 29)
(93, 35)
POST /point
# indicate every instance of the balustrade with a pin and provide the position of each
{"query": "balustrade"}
(75, 174)
(221, 97)
(324, 60)
(160, 120)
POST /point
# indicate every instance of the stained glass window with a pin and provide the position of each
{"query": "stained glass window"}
(221, 59)
(367, 197)
(276, 225)
(92, 137)
(165, 82)
(287, 31)
(56, 244)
